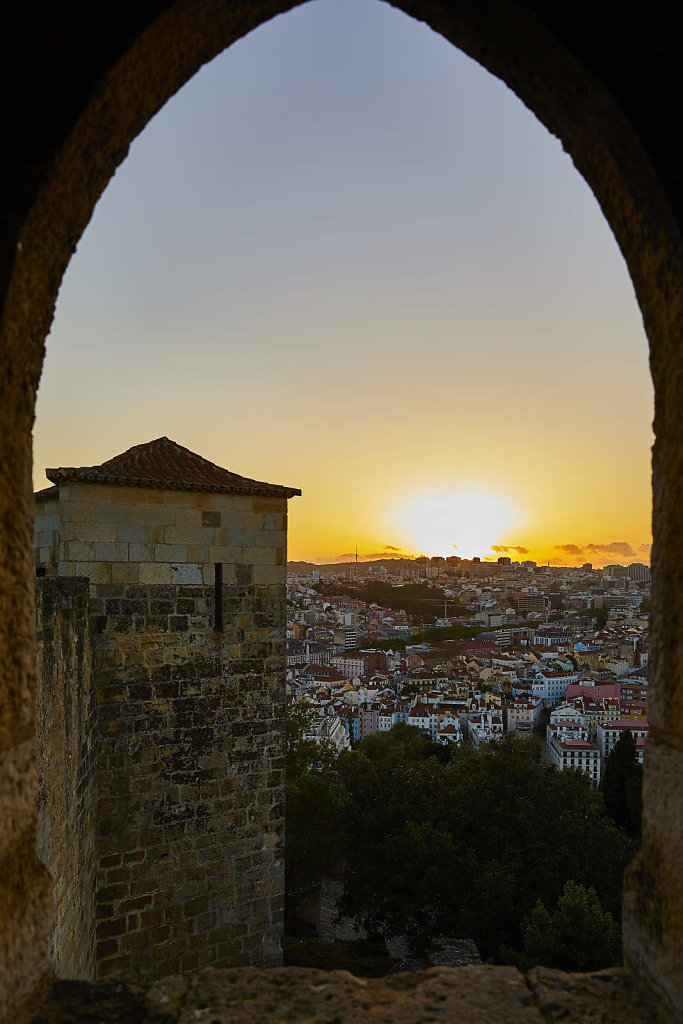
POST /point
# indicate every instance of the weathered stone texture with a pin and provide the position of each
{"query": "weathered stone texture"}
(466, 995)
(162, 771)
(121, 534)
(191, 768)
(67, 771)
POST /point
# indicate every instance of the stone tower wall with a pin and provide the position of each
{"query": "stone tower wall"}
(191, 774)
(67, 771)
(164, 680)
(125, 535)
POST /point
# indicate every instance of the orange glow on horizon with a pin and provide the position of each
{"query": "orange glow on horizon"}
(463, 522)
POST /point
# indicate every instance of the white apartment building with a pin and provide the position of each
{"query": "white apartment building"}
(575, 753)
(609, 732)
(551, 686)
(485, 727)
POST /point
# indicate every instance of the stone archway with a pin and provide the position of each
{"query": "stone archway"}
(78, 100)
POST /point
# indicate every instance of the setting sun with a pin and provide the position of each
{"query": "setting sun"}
(465, 523)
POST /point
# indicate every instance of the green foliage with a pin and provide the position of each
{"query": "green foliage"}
(601, 615)
(419, 600)
(621, 785)
(315, 807)
(577, 936)
(467, 842)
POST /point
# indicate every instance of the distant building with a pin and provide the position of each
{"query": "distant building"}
(567, 753)
(639, 572)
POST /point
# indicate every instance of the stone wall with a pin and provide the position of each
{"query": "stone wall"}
(120, 534)
(161, 775)
(67, 771)
(191, 773)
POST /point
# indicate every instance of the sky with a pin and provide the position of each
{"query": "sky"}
(345, 258)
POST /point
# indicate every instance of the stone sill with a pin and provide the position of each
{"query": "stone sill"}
(462, 995)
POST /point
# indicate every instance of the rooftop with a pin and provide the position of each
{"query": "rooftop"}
(167, 465)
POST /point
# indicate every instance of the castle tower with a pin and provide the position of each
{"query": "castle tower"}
(161, 626)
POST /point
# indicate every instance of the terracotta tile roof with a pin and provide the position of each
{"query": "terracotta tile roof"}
(165, 464)
(46, 494)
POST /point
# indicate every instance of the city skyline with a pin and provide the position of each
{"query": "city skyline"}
(394, 257)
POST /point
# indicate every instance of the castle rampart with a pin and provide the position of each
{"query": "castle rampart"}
(161, 674)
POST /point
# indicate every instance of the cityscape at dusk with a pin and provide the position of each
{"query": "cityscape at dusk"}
(380, 281)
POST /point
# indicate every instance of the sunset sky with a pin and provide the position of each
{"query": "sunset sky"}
(345, 258)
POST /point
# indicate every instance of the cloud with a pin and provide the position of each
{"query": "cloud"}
(509, 547)
(617, 547)
(569, 549)
(390, 547)
(373, 556)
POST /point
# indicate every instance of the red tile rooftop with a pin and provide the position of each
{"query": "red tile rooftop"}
(165, 464)
(627, 723)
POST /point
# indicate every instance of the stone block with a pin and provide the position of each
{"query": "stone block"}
(271, 539)
(270, 575)
(155, 572)
(78, 512)
(242, 538)
(276, 505)
(134, 533)
(188, 517)
(90, 531)
(219, 553)
(140, 552)
(182, 534)
(125, 572)
(198, 553)
(154, 515)
(111, 552)
(170, 553)
(113, 512)
(186, 572)
(259, 556)
(80, 551)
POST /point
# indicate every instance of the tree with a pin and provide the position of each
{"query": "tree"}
(315, 802)
(621, 785)
(600, 616)
(577, 936)
(468, 845)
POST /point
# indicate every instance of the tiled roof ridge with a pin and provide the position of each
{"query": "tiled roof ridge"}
(165, 464)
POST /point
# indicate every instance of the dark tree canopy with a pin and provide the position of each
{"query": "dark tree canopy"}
(452, 841)
(577, 936)
(622, 785)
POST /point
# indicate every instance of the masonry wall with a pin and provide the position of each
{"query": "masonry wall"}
(67, 771)
(125, 535)
(169, 718)
(191, 775)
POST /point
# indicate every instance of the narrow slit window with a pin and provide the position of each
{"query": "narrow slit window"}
(218, 596)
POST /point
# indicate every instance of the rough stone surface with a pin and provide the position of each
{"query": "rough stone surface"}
(191, 772)
(161, 784)
(605, 997)
(466, 995)
(67, 778)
